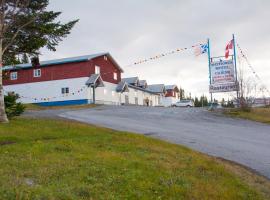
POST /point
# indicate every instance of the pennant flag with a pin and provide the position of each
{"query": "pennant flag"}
(228, 47)
(200, 49)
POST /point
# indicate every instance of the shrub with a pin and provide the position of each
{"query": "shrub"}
(13, 108)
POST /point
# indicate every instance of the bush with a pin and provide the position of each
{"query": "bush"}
(12, 107)
(244, 105)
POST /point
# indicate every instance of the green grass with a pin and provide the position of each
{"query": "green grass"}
(38, 107)
(50, 159)
(255, 114)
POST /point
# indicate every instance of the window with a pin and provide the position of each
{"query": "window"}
(37, 72)
(97, 70)
(65, 90)
(115, 76)
(13, 75)
(105, 58)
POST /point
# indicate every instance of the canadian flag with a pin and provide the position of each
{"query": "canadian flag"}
(228, 47)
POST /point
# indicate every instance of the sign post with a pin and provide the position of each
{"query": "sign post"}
(209, 65)
(223, 73)
(235, 66)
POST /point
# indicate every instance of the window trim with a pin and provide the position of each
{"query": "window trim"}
(35, 75)
(115, 76)
(12, 77)
(97, 67)
(65, 90)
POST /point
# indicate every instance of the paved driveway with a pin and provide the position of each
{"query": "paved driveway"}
(243, 141)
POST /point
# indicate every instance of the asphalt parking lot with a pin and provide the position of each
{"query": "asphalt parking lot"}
(242, 141)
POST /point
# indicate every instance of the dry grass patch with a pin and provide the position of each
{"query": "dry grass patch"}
(255, 114)
(38, 107)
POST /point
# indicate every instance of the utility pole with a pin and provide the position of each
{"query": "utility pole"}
(235, 66)
(94, 94)
(209, 65)
(202, 99)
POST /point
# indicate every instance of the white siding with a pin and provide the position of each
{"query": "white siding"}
(51, 90)
(168, 101)
(105, 95)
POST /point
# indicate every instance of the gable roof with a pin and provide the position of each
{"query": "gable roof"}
(122, 87)
(95, 80)
(131, 80)
(171, 87)
(142, 82)
(157, 88)
(64, 61)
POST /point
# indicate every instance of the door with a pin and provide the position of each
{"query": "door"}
(126, 100)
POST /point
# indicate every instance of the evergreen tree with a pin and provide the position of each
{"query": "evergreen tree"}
(25, 27)
(182, 93)
(197, 102)
(25, 58)
(223, 104)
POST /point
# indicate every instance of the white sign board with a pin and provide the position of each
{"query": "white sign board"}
(222, 71)
(224, 87)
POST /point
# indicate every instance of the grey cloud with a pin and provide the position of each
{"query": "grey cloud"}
(132, 30)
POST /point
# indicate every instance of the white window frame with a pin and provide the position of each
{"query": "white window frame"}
(13, 76)
(65, 90)
(37, 73)
(97, 69)
(115, 76)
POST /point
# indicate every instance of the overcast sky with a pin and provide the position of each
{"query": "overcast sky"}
(135, 29)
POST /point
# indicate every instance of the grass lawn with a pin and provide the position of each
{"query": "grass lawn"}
(256, 114)
(51, 159)
(38, 107)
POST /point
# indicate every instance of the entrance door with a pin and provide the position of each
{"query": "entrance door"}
(136, 101)
(126, 100)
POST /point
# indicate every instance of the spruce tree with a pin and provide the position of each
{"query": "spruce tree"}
(25, 27)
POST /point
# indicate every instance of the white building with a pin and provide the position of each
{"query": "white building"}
(78, 80)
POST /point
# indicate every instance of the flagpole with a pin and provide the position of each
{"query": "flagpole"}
(209, 66)
(235, 65)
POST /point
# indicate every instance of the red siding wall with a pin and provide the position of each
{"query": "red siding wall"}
(67, 71)
(107, 69)
(169, 93)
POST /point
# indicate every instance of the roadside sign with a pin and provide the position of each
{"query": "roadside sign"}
(222, 71)
(223, 78)
(224, 87)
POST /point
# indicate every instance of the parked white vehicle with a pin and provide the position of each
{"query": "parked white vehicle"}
(183, 103)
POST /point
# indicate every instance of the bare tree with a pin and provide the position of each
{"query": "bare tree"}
(247, 88)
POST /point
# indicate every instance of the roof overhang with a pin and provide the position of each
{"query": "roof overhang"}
(95, 80)
(114, 62)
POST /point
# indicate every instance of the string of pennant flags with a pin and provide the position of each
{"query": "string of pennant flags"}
(199, 49)
(75, 92)
(158, 56)
(250, 66)
(161, 55)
